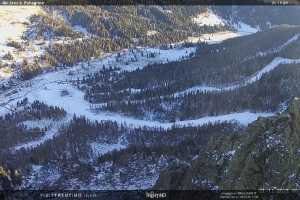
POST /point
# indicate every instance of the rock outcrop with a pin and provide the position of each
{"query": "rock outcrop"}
(266, 156)
(9, 179)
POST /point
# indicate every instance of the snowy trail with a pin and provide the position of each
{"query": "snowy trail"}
(255, 77)
(74, 103)
(277, 49)
(32, 144)
(243, 118)
(49, 134)
(276, 62)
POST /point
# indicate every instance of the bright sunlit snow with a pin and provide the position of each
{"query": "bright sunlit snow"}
(208, 18)
(13, 20)
(218, 37)
(13, 23)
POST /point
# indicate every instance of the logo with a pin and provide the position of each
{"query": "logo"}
(156, 195)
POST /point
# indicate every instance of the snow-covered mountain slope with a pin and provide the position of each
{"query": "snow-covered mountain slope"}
(82, 145)
(48, 88)
(126, 60)
(33, 48)
(276, 49)
(276, 62)
(14, 21)
(243, 118)
(218, 37)
(245, 29)
(263, 17)
(208, 18)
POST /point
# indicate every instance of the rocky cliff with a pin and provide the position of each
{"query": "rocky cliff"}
(266, 155)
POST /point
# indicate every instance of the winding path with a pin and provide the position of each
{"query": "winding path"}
(276, 62)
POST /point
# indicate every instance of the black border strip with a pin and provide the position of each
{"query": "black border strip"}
(150, 194)
(149, 2)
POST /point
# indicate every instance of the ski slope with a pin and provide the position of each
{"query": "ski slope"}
(52, 131)
(32, 144)
(276, 62)
(243, 118)
(255, 77)
(274, 50)
(75, 103)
